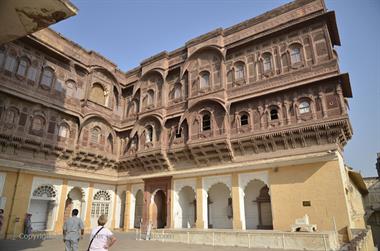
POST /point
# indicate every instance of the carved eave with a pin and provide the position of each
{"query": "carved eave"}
(92, 161)
(346, 85)
(333, 28)
(147, 161)
(211, 150)
(40, 45)
(312, 134)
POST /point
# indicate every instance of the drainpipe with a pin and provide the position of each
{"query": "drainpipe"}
(12, 205)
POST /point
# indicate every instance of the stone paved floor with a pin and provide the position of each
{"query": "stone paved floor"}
(126, 241)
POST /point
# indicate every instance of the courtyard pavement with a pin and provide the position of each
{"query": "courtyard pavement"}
(125, 242)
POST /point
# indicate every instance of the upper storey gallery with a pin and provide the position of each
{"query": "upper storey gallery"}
(230, 64)
(282, 64)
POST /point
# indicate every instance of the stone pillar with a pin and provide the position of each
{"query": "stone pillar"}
(321, 96)
(114, 209)
(342, 103)
(236, 204)
(127, 208)
(296, 112)
(200, 223)
(287, 113)
(61, 208)
(87, 221)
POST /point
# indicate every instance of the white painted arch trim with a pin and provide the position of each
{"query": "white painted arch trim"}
(57, 184)
(208, 182)
(85, 193)
(245, 178)
(135, 188)
(110, 189)
(178, 185)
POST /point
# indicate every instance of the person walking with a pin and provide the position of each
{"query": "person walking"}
(73, 230)
(28, 224)
(101, 237)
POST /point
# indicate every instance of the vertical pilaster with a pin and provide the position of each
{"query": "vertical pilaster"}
(236, 223)
(200, 223)
(342, 103)
(127, 209)
(321, 96)
(19, 204)
(61, 208)
(87, 221)
(114, 209)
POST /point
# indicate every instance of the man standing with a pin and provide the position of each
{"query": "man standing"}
(73, 229)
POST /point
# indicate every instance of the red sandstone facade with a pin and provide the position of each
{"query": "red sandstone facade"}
(267, 88)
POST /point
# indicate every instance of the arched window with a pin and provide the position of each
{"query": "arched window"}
(239, 71)
(71, 88)
(101, 204)
(133, 107)
(244, 120)
(22, 67)
(205, 80)
(304, 107)
(10, 116)
(149, 134)
(110, 143)
(46, 191)
(206, 122)
(116, 98)
(64, 131)
(10, 62)
(47, 77)
(95, 133)
(273, 114)
(37, 123)
(177, 91)
(295, 54)
(134, 142)
(150, 98)
(267, 62)
(98, 94)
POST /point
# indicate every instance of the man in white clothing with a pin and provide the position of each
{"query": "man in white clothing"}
(73, 229)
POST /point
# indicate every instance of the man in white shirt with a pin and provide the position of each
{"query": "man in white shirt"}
(101, 238)
(73, 229)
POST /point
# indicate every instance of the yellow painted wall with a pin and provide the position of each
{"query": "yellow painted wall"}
(356, 206)
(319, 183)
(17, 201)
(8, 190)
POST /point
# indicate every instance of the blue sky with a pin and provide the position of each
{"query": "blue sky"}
(127, 32)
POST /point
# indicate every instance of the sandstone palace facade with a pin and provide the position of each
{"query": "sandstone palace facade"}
(241, 128)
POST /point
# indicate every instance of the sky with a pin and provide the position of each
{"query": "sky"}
(129, 31)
